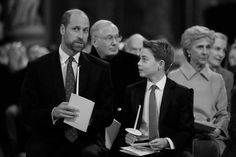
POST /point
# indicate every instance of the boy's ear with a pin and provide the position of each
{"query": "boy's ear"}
(162, 64)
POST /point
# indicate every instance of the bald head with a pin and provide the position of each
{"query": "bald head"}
(136, 37)
(67, 15)
(134, 43)
(105, 38)
(99, 26)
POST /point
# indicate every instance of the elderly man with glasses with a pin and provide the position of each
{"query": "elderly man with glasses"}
(105, 40)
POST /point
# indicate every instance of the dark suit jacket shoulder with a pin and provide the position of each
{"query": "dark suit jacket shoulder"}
(176, 112)
(124, 68)
(48, 58)
(124, 71)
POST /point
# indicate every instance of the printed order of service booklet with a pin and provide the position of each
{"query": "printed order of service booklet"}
(85, 108)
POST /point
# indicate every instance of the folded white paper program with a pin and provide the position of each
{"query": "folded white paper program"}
(85, 108)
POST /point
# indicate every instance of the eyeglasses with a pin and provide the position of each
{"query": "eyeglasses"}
(111, 38)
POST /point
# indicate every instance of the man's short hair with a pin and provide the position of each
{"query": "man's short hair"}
(97, 26)
(161, 50)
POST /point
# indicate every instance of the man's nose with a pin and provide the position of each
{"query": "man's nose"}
(114, 41)
(139, 63)
(80, 34)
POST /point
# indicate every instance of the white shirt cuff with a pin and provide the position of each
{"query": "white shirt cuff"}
(53, 119)
(171, 144)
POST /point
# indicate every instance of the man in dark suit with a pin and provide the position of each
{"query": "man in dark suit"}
(105, 41)
(46, 92)
(166, 117)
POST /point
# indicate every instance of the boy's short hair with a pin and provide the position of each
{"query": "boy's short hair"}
(161, 50)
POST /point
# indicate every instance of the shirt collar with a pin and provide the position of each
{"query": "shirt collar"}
(189, 71)
(64, 56)
(160, 84)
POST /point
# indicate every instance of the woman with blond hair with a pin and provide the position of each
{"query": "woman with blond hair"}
(210, 98)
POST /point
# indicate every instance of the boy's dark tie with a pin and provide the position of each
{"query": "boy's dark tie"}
(153, 123)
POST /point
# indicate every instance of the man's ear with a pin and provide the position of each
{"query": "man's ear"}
(62, 29)
(162, 64)
(94, 41)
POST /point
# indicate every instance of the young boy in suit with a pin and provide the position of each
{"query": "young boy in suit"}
(166, 116)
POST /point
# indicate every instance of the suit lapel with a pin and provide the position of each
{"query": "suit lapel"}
(57, 77)
(166, 99)
(140, 97)
(83, 73)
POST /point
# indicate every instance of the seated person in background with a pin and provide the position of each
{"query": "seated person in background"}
(179, 59)
(36, 51)
(230, 150)
(232, 60)
(16, 68)
(134, 44)
(105, 41)
(166, 117)
(216, 56)
(210, 98)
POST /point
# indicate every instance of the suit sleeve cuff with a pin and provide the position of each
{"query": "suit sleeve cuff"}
(171, 144)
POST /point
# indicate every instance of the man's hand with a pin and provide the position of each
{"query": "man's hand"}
(159, 144)
(130, 138)
(63, 110)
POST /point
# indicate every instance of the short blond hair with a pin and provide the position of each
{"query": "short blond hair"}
(194, 33)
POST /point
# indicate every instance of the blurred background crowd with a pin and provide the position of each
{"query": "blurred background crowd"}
(29, 29)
